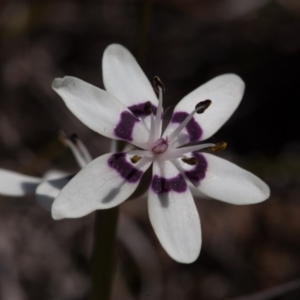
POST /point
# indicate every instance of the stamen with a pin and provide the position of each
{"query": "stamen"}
(135, 159)
(159, 86)
(218, 147)
(199, 108)
(152, 130)
(190, 161)
(74, 138)
(62, 137)
(84, 151)
(179, 152)
(72, 144)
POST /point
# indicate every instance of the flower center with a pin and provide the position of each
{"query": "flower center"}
(160, 146)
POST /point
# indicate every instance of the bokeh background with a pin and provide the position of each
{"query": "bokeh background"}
(246, 249)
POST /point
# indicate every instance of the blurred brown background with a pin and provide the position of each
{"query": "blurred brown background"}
(245, 249)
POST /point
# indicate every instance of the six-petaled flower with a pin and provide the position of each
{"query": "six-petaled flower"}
(130, 111)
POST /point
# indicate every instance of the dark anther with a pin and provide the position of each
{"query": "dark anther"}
(202, 106)
(158, 84)
(74, 138)
(134, 159)
(218, 147)
(190, 161)
(148, 108)
(62, 137)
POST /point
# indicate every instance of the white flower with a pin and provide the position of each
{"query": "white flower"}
(129, 110)
(47, 188)
(54, 180)
(17, 185)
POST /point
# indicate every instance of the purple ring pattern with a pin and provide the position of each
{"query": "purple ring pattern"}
(125, 126)
(197, 174)
(126, 170)
(192, 127)
(139, 109)
(162, 185)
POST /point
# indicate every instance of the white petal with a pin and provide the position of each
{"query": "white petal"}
(225, 92)
(104, 183)
(100, 111)
(227, 182)
(47, 191)
(124, 78)
(196, 192)
(55, 174)
(173, 214)
(16, 185)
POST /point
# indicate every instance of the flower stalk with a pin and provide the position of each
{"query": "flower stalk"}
(103, 263)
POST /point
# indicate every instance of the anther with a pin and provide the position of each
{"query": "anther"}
(199, 108)
(74, 138)
(218, 147)
(202, 106)
(158, 84)
(190, 161)
(62, 137)
(75, 145)
(134, 159)
(148, 108)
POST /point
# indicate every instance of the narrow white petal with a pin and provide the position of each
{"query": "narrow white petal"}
(225, 92)
(227, 182)
(124, 78)
(16, 185)
(104, 183)
(55, 174)
(173, 213)
(47, 191)
(100, 111)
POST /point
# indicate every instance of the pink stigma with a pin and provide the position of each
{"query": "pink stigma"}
(160, 146)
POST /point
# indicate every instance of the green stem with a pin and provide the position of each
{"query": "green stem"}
(103, 253)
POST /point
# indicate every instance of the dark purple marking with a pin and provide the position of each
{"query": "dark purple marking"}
(198, 172)
(193, 128)
(139, 110)
(125, 126)
(118, 162)
(162, 185)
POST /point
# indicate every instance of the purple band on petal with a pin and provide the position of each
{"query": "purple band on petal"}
(118, 162)
(125, 126)
(139, 109)
(198, 173)
(193, 128)
(162, 185)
